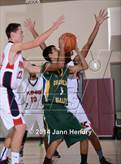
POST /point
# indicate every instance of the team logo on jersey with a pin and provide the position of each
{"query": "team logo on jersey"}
(34, 92)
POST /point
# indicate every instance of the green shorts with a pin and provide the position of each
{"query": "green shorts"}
(62, 125)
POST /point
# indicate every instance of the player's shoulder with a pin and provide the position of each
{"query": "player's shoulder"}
(7, 46)
(44, 66)
(25, 82)
(40, 78)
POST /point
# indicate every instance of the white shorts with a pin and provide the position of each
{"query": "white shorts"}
(9, 108)
(76, 108)
(31, 118)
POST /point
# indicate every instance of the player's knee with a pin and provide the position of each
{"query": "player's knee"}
(56, 142)
(21, 128)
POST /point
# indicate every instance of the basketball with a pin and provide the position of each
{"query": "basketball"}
(69, 41)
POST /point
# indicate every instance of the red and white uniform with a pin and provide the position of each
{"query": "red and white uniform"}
(74, 105)
(32, 103)
(11, 77)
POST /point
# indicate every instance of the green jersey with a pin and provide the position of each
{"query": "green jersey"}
(55, 87)
(57, 117)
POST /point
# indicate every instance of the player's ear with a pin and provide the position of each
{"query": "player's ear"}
(12, 34)
(50, 55)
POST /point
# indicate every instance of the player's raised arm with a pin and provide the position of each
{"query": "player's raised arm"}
(103, 15)
(30, 25)
(40, 39)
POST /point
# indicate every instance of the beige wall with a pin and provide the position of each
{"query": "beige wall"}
(115, 20)
(79, 19)
(18, 14)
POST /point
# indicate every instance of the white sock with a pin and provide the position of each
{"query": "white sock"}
(14, 158)
(4, 153)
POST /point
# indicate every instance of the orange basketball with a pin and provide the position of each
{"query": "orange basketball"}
(69, 41)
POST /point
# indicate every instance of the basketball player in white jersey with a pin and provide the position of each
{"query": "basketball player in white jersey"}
(31, 100)
(11, 75)
(75, 107)
(74, 104)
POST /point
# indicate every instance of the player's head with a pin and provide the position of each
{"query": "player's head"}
(32, 76)
(14, 32)
(51, 53)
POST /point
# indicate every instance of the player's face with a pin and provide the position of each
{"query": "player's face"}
(18, 35)
(33, 76)
(54, 54)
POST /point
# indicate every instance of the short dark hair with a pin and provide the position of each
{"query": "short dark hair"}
(12, 27)
(47, 51)
(33, 64)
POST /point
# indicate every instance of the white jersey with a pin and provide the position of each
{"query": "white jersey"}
(32, 95)
(74, 105)
(72, 86)
(11, 76)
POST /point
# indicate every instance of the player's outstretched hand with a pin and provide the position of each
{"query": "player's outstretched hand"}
(29, 24)
(58, 22)
(103, 15)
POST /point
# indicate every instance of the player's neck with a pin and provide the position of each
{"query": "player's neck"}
(33, 78)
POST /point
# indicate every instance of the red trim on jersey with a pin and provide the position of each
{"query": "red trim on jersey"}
(18, 121)
(10, 66)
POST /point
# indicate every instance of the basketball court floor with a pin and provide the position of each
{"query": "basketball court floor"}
(34, 153)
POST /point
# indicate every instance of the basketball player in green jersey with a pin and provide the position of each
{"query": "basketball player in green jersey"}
(62, 124)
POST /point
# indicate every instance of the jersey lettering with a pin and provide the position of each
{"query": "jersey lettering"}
(19, 76)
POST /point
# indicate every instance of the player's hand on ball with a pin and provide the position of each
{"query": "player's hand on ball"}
(61, 43)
